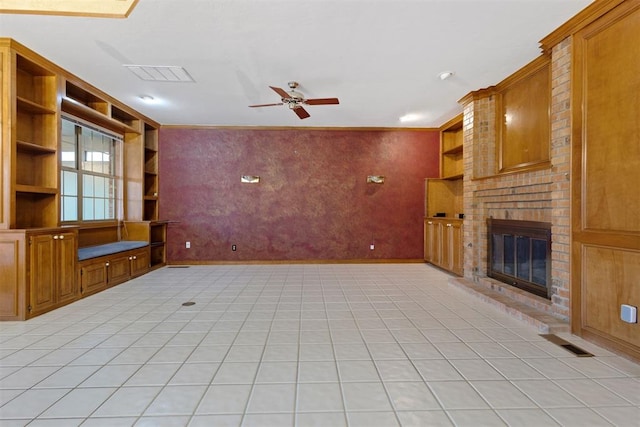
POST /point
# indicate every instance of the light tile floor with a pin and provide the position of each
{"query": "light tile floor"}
(301, 345)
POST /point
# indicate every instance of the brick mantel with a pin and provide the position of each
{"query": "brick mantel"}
(534, 195)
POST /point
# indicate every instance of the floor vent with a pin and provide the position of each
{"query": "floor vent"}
(178, 266)
(566, 345)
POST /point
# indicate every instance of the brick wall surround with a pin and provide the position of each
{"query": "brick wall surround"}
(537, 195)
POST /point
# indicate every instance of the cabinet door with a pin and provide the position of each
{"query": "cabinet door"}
(438, 256)
(429, 241)
(42, 273)
(452, 246)
(140, 262)
(66, 267)
(446, 261)
(118, 270)
(457, 248)
(93, 277)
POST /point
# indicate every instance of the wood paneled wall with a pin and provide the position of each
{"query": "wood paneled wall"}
(606, 178)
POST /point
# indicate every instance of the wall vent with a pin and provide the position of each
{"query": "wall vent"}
(161, 73)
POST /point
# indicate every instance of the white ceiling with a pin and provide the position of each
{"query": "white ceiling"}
(381, 58)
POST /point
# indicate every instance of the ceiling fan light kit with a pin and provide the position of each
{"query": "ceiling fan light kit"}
(295, 100)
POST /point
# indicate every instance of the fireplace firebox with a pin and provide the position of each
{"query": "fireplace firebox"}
(520, 254)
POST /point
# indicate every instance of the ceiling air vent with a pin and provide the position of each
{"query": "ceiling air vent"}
(161, 73)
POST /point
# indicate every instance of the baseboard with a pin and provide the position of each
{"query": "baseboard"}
(299, 261)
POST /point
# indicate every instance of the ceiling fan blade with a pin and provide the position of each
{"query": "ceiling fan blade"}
(280, 92)
(301, 112)
(265, 105)
(322, 101)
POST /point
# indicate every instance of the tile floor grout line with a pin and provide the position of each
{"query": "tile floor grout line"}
(397, 297)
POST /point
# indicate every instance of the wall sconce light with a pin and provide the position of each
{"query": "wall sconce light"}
(375, 179)
(250, 179)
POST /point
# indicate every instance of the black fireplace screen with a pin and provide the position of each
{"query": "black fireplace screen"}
(520, 254)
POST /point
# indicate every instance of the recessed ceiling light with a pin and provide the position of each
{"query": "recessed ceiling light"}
(148, 99)
(445, 75)
(411, 117)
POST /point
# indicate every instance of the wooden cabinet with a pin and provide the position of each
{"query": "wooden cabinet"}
(431, 241)
(153, 232)
(522, 108)
(453, 247)
(42, 265)
(92, 276)
(444, 203)
(51, 271)
(139, 262)
(118, 268)
(38, 271)
(443, 244)
(98, 274)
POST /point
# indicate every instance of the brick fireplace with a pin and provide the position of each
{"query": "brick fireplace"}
(520, 254)
(534, 195)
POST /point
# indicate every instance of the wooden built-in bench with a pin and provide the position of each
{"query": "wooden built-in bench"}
(109, 249)
(42, 269)
(105, 259)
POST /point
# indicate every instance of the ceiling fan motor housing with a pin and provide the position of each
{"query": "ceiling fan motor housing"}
(294, 100)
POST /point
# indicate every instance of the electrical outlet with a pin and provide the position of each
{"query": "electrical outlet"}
(187, 245)
(629, 313)
(372, 246)
(233, 248)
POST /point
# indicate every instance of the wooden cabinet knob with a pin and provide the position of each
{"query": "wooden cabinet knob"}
(55, 237)
(106, 264)
(61, 237)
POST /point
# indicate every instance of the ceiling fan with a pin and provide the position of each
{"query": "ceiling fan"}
(294, 100)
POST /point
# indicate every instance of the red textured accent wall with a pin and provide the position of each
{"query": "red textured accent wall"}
(312, 202)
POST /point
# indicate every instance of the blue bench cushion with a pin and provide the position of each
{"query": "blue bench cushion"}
(109, 248)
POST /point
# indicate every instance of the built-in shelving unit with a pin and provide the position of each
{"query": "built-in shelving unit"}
(444, 202)
(158, 243)
(150, 195)
(153, 232)
(451, 166)
(36, 142)
(85, 104)
(443, 196)
(39, 267)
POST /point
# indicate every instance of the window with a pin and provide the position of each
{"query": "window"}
(89, 177)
